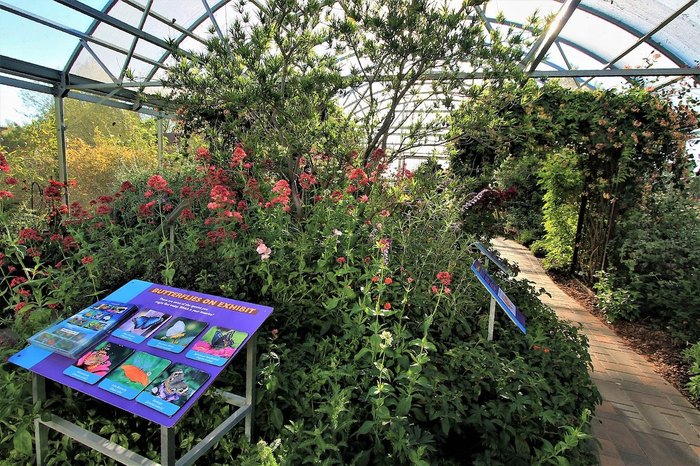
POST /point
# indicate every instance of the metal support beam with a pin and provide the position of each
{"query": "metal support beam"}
(648, 35)
(114, 22)
(160, 142)
(167, 21)
(135, 40)
(213, 20)
(541, 47)
(73, 32)
(61, 139)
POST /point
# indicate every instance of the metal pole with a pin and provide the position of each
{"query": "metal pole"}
(160, 142)
(61, 139)
(167, 446)
(41, 432)
(492, 317)
(251, 349)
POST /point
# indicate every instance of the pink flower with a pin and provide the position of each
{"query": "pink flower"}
(341, 260)
(148, 194)
(384, 213)
(86, 260)
(6, 194)
(263, 250)
(364, 198)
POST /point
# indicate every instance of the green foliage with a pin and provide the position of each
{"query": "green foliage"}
(615, 302)
(369, 357)
(658, 252)
(561, 180)
(692, 355)
(523, 215)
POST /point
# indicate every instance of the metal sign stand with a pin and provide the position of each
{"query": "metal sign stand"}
(477, 246)
(167, 434)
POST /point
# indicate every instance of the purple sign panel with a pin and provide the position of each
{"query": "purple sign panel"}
(499, 295)
(162, 356)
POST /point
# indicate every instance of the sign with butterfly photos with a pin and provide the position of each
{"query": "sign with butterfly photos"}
(158, 358)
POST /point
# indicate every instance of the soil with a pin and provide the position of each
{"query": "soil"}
(655, 344)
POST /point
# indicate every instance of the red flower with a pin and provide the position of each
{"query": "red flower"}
(105, 199)
(364, 198)
(203, 154)
(20, 305)
(29, 234)
(410, 279)
(306, 180)
(375, 279)
(341, 260)
(145, 210)
(387, 306)
(444, 278)
(186, 215)
(126, 186)
(6, 194)
(434, 289)
(11, 180)
(104, 210)
(86, 260)
(158, 183)
(388, 281)
(72, 183)
(447, 290)
(4, 166)
(53, 190)
(24, 292)
(384, 213)
(69, 243)
(238, 156)
(17, 281)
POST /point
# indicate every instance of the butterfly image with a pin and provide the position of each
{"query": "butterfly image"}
(223, 339)
(146, 322)
(176, 332)
(173, 387)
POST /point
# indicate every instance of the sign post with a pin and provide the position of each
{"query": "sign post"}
(497, 296)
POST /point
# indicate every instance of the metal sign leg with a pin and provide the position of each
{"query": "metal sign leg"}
(492, 318)
(167, 446)
(251, 356)
(41, 432)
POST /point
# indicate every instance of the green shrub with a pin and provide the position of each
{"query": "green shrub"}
(656, 258)
(562, 182)
(692, 355)
(616, 303)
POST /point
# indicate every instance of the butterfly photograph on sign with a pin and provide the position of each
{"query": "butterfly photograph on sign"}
(141, 325)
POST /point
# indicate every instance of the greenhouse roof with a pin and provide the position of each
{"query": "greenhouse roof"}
(117, 51)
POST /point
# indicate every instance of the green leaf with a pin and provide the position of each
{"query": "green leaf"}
(404, 405)
(23, 442)
(365, 427)
(332, 303)
(562, 461)
(276, 417)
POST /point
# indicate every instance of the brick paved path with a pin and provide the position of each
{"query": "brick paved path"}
(643, 420)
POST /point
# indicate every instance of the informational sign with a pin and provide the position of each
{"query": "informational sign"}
(499, 295)
(162, 357)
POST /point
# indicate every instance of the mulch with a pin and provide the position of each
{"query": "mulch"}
(656, 344)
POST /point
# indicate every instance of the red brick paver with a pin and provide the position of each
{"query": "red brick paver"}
(643, 420)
